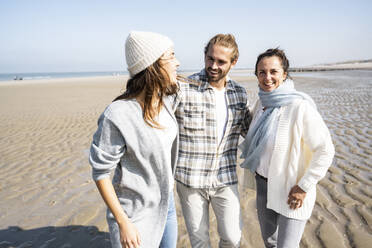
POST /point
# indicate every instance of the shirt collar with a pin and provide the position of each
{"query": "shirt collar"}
(205, 85)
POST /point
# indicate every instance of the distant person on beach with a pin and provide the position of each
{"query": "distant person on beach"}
(137, 136)
(211, 117)
(288, 149)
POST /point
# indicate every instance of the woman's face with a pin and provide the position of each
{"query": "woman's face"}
(170, 64)
(270, 73)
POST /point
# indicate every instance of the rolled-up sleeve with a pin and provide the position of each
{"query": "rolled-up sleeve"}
(108, 146)
(246, 122)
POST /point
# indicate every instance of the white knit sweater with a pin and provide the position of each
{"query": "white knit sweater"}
(302, 154)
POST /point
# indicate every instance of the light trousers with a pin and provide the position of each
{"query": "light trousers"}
(276, 229)
(226, 206)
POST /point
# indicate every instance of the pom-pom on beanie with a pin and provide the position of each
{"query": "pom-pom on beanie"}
(142, 49)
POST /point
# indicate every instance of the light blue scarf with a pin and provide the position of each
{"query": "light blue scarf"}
(257, 136)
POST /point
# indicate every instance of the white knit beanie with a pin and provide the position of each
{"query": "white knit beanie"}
(142, 49)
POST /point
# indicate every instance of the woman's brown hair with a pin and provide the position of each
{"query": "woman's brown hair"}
(274, 52)
(156, 84)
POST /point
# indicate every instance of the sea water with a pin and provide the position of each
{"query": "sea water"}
(49, 75)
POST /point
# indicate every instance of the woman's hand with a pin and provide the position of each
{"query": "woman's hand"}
(296, 197)
(129, 235)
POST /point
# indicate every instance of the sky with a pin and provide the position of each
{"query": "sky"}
(89, 35)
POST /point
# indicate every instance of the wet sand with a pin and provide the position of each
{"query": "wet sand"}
(48, 198)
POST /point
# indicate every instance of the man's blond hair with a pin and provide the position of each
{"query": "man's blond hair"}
(225, 40)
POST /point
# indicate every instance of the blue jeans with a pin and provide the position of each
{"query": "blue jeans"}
(169, 239)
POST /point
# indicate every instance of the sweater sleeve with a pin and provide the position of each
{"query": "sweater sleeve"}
(107, 148)
(318, 139)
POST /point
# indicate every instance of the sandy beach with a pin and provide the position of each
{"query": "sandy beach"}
(48, 198)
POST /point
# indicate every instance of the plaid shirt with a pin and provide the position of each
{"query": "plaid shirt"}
(202, 162)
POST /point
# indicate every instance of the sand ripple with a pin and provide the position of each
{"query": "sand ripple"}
(342, 215)
(49, 200)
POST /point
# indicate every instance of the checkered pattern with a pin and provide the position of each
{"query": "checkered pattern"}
(202, 163)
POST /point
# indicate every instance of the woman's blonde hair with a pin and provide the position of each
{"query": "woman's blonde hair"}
(156, 84)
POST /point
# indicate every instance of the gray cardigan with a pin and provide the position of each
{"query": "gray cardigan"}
(124, 142)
